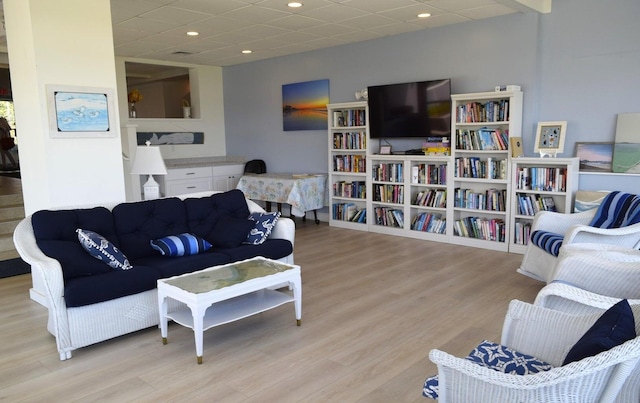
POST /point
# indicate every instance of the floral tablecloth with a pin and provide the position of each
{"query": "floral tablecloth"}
(304, 192)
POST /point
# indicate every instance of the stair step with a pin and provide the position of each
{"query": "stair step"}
(11, 212)
(11, 200)
(6, 243)
(7, 227)
(9, 254)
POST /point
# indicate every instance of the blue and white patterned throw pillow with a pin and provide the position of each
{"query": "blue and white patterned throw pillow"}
(263, 227)
(497, 357)
(103, 250)
(180, 245)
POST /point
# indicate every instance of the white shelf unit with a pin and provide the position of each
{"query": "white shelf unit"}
(348, 137)
(479, 189)
(536, 184)
(386, 189)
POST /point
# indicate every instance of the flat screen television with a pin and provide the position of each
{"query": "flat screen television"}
(419, 109)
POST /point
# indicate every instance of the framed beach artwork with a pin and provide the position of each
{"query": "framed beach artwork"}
(304, 105)
(595, 157)
(626, 150)
(80, 111)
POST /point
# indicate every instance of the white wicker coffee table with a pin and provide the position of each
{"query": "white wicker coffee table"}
(223, 294)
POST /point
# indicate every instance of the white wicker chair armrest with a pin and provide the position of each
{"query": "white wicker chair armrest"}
(559, 222)
(628, 236)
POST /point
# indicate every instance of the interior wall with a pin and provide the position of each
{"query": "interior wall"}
(567, 70)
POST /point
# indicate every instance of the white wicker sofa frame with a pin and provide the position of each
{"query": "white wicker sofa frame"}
(575, 301)
(78, 327)
(548, 335)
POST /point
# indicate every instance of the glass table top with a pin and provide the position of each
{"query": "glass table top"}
(227, 275)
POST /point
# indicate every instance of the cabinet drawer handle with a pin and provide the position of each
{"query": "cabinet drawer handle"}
(190, 173)
(191, 187)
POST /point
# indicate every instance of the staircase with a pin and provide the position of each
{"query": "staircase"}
(11, 212)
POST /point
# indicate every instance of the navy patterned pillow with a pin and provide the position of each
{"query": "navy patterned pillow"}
(264, 223)
(180, 245)
(498, 357)
(100, 248)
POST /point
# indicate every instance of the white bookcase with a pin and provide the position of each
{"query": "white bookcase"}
(348, 137)
(480, 187)
(539, 184)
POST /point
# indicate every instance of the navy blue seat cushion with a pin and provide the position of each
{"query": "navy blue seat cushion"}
(168, 267)
(102, 287)
(203, 213)
(230, 232)
(55, 233)
(271, 249)
(137, 224)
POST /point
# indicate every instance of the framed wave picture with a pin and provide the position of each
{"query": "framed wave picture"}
(626, 150)
(80, 112)
(304, 105)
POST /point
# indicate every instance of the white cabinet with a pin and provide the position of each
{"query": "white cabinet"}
(179, 181)
(539, 184)
(226, 177)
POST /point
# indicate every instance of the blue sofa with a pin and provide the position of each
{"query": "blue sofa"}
(89, 301)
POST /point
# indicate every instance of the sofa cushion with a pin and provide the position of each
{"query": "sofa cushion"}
(203, 213)
(263, 225)
(81, 291)
(55, 233)
(614, 327)
(230, 232)
(100, 248)
(184, 264)
(271, 249)
(137, 224)
(180, 245)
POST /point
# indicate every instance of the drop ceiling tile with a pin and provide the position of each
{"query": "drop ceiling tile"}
(175, 15)
(486, 12)
(145, 25)
(334, 13)
(329, 30)
(368, 21)
(376, 6)
(295, 22)
(208, 6)
(255, 14)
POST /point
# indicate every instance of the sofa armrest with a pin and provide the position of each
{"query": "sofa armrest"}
(560, 223)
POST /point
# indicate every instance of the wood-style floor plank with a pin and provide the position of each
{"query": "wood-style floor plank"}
(373, 307)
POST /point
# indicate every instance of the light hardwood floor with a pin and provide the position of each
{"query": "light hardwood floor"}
(373, 307)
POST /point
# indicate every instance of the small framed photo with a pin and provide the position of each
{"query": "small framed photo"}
(385, 149)
(595, 157)
(550, 138)
(77, 112)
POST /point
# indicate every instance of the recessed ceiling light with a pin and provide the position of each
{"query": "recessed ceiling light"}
(193, 33)
(294, 4)
(247, 51)
(424, 15)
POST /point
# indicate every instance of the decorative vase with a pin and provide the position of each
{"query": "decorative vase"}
(186, 112)
(132, 109)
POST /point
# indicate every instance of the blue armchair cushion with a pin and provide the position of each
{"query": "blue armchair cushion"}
(180, 245)
(549, 241)
(100, 248)
(264, 223)
(497, 357)
(613, 328)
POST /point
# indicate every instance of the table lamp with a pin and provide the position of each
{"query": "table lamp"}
(148, 161)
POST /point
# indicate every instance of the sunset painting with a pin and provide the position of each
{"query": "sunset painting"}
(304, 105)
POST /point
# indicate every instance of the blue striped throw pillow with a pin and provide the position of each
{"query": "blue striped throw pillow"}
(180, 245)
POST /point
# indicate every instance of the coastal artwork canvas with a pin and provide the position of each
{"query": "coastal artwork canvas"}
(595, 157)
(76, 111)
(626, 150)
(304, 105)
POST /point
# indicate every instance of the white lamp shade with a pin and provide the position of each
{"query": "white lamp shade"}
(148, 161)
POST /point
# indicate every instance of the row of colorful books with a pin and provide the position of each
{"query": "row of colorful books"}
(355, 190)
(490, 111)
(388, 193)
(429, 222)
(482, 139)
(349, 117)
(489, 229)
(389, 217)
(350, 141)
(491, 199)
(521, 233)
(431, 198)
(431, 174)
(475, 167)
(349, 163)
(548, 179)
(388, 172)
(530, 204)
(348, 212)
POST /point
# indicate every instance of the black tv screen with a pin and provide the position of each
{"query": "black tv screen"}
(419, 109)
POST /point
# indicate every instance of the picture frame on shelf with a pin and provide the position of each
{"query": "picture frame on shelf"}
(385, 149)
(550, 138)
(595, 156)
(80, 112)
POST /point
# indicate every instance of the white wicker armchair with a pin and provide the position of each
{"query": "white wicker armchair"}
(548, 335)
(604, 269)
(574, 301)
(538, 263)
